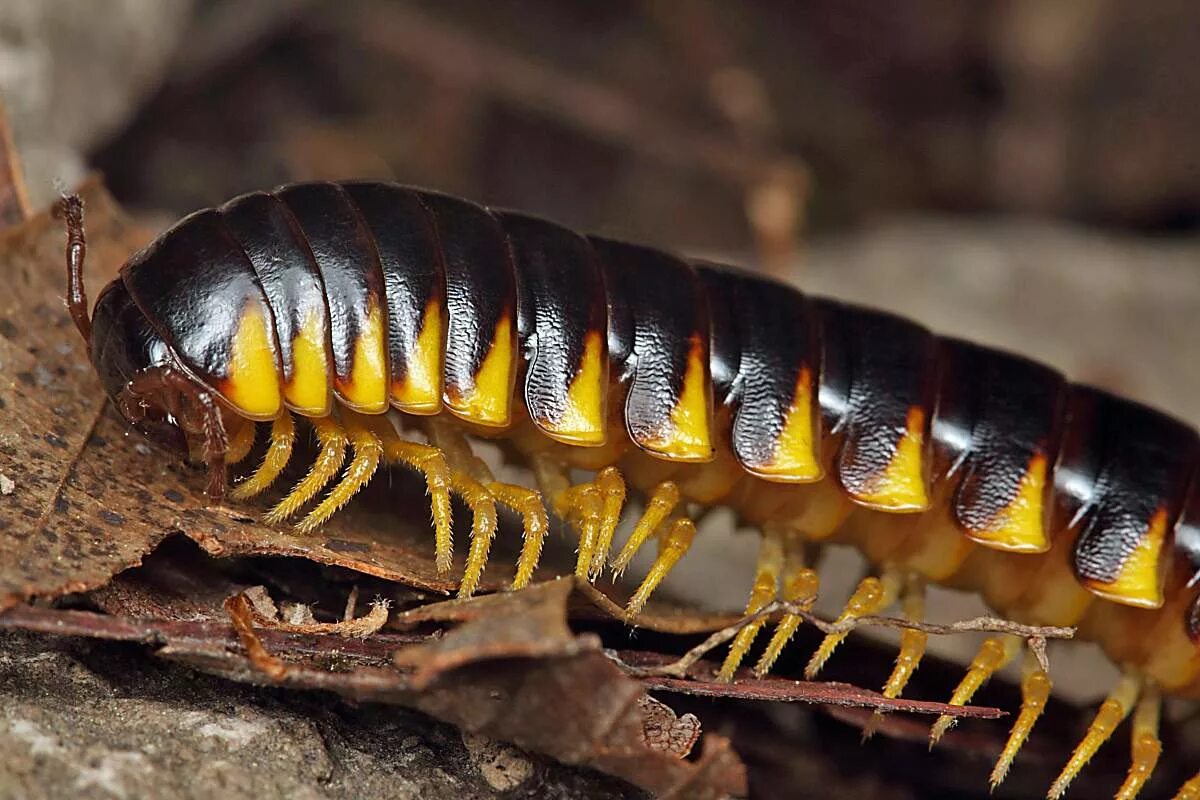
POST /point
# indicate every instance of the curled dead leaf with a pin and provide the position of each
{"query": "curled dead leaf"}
(666, 731)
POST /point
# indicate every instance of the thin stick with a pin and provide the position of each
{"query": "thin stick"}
(679, 668)
(1035, 635)
(241, 614)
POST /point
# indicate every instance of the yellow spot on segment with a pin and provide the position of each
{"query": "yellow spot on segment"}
(689, 435)
(582, 422)
(253, 383)
(489, 401)
(308, 390)
(795, 457)
(901, 486)
(420, 390)
(1020, 527)
(1140, 581)
(366, 391)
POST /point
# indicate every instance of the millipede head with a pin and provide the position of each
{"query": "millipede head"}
(135, 365)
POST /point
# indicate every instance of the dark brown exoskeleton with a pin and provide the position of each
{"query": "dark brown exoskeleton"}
(399, 322)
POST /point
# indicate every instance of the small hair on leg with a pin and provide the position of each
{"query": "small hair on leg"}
(334, 441)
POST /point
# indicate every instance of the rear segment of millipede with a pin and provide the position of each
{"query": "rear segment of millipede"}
(697, 384)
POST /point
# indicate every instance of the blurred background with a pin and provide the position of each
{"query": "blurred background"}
(1024, 174)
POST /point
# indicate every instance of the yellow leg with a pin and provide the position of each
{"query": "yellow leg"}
(994, 654)
(473, 481)
(800, 586)
(469, 477)
(333, 452)
(676, 542)
(1035, 691)
(584, 504)
(1146, 746)
(429, 461)
(1190, 790)
(368, 451)
(662, 502)
(1112, 713)
(612, 490)
(872, 596)
(528, 503)
(770, 564)
(279, 452)
(593, 507)
(912, 647)
(240, 442)
(483, 528)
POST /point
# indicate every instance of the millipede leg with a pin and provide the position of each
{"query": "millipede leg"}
(912, 647)
(483, 528)
(240, 443)
(329, 460)
(800, 586)
(368, 451)
(766, 579)
(1035, 691)
(677, 541)
(584, 504)
(994, 654)
(431, 462)
(279, 452)
(1112, 713)
(1190, 790)
(468, 476)
(1146, 747)
(662, 502)
(612, 490)
(872, 596)
(528, 503)
(594, 507)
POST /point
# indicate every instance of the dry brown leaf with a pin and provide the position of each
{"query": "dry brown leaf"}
(67, 524)
(515, 673)
(666, 731)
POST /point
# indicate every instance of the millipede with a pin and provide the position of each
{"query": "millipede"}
(402, 323)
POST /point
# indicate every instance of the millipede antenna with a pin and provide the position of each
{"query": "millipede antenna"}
(70, 208)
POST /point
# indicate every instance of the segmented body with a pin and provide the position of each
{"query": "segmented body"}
(814, 420)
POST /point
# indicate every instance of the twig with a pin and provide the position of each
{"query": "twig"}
(680, 667)
(242, 615)
(14, 197)
(360, 627)
(1037, 646)
(351, 604)
(825, 693)
(1035, 635)
(977, 624)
